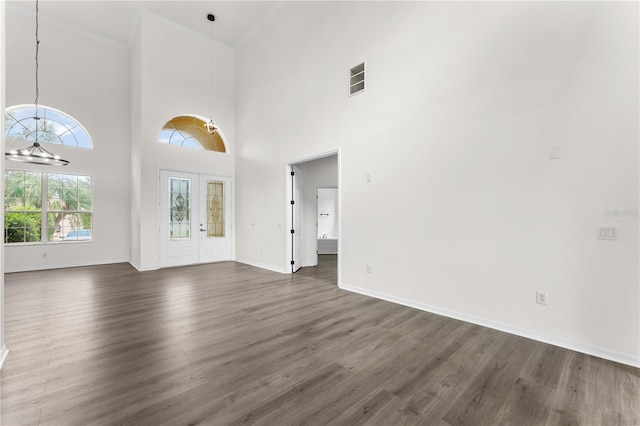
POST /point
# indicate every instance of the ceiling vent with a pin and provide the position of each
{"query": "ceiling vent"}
(356, 79)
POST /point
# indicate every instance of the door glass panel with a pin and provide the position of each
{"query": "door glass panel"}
(179, 208)
(215, 209)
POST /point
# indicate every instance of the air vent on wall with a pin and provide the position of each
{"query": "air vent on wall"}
(356, 79)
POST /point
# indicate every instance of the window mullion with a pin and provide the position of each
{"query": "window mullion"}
(44, 229)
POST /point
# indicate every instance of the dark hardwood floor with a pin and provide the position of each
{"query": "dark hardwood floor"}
(229, 344)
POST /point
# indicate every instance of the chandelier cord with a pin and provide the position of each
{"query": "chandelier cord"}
(211, 71)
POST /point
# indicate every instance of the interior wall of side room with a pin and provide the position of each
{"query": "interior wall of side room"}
(86, 77)
(172, 80)
(322, 172)
(505, 134)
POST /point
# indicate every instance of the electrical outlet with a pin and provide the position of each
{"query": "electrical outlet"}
(368, 269)
(44, 255)
(541, 297)
(607, 233)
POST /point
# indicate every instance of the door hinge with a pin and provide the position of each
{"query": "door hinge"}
(293, 173)
(293, 262)
(292, 202)
(293, 231)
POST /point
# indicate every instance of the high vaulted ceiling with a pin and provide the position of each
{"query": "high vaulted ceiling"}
(117, 20)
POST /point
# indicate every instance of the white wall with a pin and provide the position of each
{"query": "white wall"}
(463, 102)
(173, 79)
(3, 346)
(86, 77)
(318, 173)
(135, 62)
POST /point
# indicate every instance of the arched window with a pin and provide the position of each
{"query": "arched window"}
(53, 126)
(189, 131)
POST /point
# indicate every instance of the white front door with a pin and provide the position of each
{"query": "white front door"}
(215, 219)
(195, 219)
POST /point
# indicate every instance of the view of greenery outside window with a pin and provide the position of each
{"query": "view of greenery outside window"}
(22, 206)
(64, 201)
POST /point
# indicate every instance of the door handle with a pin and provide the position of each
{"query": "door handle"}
(202, 230)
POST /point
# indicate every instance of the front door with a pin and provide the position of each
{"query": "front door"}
(195, 219)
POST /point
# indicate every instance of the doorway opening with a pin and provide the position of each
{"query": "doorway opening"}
(313, 234)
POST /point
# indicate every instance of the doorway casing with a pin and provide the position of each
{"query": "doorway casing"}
(289, 214)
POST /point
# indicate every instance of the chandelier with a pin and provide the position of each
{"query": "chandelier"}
(36, 153)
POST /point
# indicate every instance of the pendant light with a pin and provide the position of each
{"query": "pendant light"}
(36, 154)
(210, 126)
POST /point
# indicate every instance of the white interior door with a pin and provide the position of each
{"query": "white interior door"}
(195, 219)
(297, 219)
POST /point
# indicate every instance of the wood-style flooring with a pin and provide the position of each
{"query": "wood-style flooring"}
(230, 344)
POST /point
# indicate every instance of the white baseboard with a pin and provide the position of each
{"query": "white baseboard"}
(599, 352)
(259, 265)
(9, 269)
(4, 352)
(141, 269)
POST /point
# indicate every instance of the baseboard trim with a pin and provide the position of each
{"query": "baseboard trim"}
(10, 270)
(260, 265)
(4, 353)
(141, 269)
(596, 351)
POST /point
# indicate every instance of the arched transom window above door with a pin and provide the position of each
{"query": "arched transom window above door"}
(189, 131)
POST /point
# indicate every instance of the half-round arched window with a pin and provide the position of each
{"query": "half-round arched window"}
(53, 126)
(189, 131)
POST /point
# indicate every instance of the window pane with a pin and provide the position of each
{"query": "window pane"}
(76, 227)
(177, 138)
(84, 199)
(55, 203)
(70, 200)
(165, 136)
(22, 228)
(68, 139)
(23, 204)
(84, 181)
(215, 209)
(13, 182)
(70, 181)
(82, 138)
(54, 180)
(55, 226)
(191, 143)
(54, 126)
(62, 120)
(13, 204)
(33, 203)
(179, 208)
